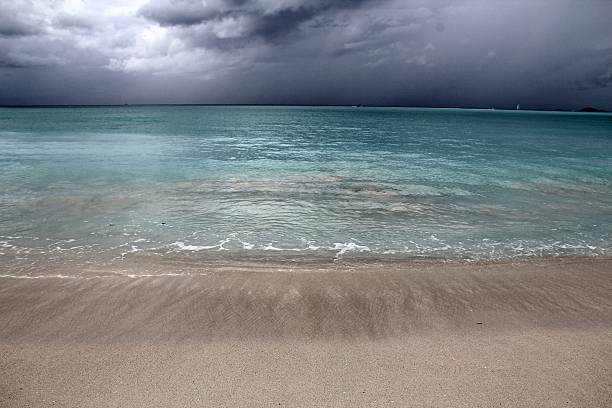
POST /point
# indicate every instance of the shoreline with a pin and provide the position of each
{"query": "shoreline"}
(186, 264)
(308, 299)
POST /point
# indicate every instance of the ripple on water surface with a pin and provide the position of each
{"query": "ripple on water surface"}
(324, 182)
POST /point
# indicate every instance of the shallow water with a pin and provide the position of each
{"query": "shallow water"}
(84, 184)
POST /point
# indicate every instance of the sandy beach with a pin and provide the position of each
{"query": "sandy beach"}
(312, 333)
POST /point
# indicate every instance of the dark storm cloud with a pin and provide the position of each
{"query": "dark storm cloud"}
(267, 19)
(189, 12)
(546, 53)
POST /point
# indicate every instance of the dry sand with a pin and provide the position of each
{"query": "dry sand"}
(431, 334)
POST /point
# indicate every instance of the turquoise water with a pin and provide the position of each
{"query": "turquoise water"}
(81, 183)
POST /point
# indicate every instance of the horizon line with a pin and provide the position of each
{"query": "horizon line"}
(577, 110)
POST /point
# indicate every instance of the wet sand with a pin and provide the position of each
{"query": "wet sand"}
(353, 333)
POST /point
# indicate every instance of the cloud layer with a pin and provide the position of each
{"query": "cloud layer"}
(549, 53)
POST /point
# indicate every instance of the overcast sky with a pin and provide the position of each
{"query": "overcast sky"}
(480, 53)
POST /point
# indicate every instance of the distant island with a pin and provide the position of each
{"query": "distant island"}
(591, 109)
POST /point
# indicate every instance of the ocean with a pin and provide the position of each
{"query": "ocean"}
(83, 185)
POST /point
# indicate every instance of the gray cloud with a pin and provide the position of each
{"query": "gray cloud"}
(15, 28)
(550, 53)
(180, 12)
(75, 21)
(15, 22)
(605, 79)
